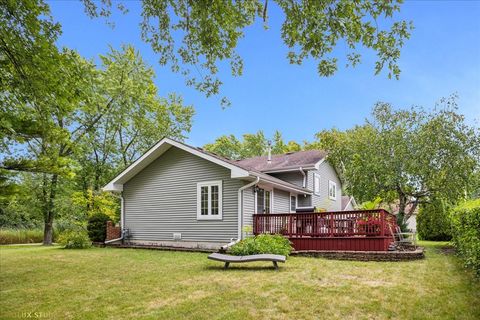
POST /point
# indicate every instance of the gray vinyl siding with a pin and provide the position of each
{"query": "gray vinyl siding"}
(281, 204)
(162, 200)
(281, 201)
(248, 207)
(322, 201)
(295, 178)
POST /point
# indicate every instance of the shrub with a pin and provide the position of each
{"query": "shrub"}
(264, 243)
(14, 236)
(75, 239)
(97, 227)
(433, 222)
(466, 232)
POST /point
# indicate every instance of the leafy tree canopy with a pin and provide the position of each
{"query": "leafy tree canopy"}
(252, 145)
(195, 36)
(411, 155)
(68, 120)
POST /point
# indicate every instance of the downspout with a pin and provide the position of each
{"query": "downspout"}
(304, 176)
(240, 206)
(122, 221)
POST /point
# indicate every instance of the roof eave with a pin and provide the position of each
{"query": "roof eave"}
(289, 169)
(285, 186)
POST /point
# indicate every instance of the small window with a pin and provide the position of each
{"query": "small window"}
(209, 200)
(316, 185)
(332, 190)
(293, 203)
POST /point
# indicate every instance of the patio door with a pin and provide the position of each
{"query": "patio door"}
(264, 201)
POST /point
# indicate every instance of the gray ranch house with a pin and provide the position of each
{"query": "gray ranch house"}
(181, 196)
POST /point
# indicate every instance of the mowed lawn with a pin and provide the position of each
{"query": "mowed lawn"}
(107, 283)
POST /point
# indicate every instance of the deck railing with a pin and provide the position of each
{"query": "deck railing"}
(358, 223)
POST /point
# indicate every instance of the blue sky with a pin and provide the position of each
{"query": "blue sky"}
(442, 57)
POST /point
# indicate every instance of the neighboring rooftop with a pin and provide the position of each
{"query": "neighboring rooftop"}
(283, 161)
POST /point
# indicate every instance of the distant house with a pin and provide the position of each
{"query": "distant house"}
(348, 203)
(179, 195)
(412, 220)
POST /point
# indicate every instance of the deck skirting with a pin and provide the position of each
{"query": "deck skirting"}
(341, 243)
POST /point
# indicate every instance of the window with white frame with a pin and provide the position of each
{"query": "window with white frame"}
(316, 183)
(209, 200)
(332, 190)
(293, 203)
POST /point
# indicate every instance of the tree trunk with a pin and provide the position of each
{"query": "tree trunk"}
(402, 203)
(48, 232)
(410, 212)
(49, 194)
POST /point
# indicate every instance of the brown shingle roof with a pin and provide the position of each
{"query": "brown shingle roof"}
(258, 173)
(283, 161)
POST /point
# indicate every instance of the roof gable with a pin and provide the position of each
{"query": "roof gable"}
(237, 171)
(157, 150)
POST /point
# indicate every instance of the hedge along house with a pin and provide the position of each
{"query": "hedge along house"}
(181, 196)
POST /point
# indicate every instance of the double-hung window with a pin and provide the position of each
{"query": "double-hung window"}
(209, 200)
(332, 190)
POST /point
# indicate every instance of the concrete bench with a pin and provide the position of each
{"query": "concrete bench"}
(242, 259)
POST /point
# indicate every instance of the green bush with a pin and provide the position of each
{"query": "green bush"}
(264, 243)
(14, 236)
(466, 232)
(433, 222)
(75, 239)
(97, 227)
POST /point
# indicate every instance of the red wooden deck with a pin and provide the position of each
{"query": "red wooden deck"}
(360, 230)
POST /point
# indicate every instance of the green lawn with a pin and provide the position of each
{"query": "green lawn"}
(101, 283)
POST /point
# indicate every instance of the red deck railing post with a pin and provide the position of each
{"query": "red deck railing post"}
(382, 219)
(331, 224)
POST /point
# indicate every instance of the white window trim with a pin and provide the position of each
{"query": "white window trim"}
(271, 200)
(315, 191)
(290, 203)
(330, 184)
(220, 200)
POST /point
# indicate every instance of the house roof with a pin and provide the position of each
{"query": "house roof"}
(284, 162)
(257, 173)
(237, 170)
(346, 200)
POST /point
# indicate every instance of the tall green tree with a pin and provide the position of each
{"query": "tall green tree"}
(410, 156)
(251, 145)
(199, 35)
(138, 117)
(279, 145)
(59, 111)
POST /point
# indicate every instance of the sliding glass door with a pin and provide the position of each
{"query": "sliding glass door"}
(264, 201)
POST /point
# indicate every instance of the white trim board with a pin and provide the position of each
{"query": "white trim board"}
(209, 215)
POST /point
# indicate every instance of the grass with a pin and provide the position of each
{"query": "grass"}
(14, 236)
(107, 283)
